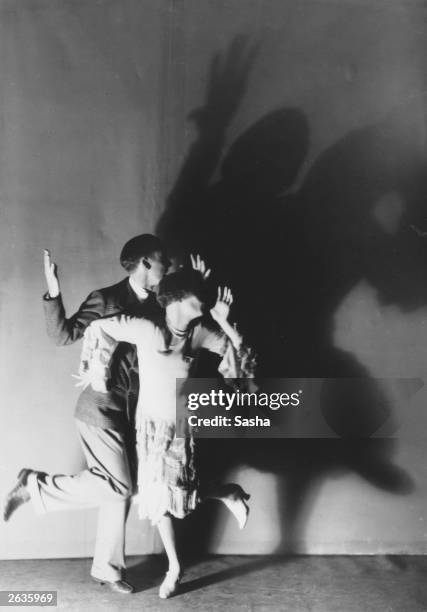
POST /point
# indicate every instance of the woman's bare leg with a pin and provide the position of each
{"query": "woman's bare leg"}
(167, 533)
(170, 584)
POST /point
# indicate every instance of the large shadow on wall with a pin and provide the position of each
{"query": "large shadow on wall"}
(231, 222)
(291, 258)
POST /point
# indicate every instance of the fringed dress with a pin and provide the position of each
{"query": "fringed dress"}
(167, 476)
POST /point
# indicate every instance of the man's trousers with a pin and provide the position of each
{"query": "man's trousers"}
(106, 483)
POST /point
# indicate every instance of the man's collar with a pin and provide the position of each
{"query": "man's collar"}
(142, 294)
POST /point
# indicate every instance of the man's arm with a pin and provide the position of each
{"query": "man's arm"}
(65, 331)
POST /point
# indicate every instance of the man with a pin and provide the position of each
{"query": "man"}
(102, 419)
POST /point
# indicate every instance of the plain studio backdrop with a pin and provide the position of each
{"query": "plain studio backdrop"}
(97, 123)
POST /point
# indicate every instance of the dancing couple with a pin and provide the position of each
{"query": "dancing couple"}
(126, 390)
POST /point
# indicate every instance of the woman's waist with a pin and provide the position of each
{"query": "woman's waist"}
(158, 422)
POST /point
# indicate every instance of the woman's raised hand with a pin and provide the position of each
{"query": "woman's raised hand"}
(51, 275)
(199, 265)
(221, 310)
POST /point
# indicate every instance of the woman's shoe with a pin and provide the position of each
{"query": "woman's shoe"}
(18, 495)
(233, 496)
(170, 585)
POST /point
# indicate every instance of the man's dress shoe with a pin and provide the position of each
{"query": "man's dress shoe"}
(118, 586)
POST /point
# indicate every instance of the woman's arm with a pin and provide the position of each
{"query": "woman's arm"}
(121, 328)
(238, 360)
(220, 313)
(100, 341)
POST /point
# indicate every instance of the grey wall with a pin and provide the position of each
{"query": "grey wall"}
(95, 99)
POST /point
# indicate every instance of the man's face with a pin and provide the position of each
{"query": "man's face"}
(159, 265)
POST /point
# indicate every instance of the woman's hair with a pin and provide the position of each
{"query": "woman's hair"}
(138, 247)
(176, 286)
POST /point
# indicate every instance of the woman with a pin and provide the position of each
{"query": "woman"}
(167, 476)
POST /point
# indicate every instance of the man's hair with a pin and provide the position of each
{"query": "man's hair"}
(136, 248)
(176, 286)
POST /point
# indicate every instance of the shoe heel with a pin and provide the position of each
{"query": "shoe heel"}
(23, 475)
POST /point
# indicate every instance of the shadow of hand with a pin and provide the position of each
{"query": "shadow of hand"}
(226, 86)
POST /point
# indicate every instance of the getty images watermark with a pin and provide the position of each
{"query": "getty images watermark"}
(294, 408)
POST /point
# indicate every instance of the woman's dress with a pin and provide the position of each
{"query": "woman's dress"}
(167, 477)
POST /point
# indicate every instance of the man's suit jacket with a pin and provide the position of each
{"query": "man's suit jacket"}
(114, 410)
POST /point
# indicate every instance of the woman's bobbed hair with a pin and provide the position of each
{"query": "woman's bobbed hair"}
(178, 285)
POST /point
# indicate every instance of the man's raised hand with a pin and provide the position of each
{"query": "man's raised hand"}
(198, 264)
(51, 275)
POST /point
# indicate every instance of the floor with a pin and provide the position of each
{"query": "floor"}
(297, 584)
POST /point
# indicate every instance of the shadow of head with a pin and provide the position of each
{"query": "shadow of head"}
(363, 206)
(266, 158)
